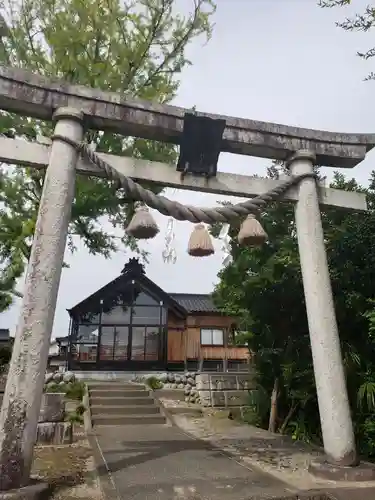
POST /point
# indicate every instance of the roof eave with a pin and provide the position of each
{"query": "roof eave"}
(175, 306)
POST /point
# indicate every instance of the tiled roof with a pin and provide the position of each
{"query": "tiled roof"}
(195, 302)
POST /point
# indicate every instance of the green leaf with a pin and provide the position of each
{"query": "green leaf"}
(134, 48)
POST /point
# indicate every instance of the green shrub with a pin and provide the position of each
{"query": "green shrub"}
(52, 387)
(75, 390)
(365, 432)
(80, 410)
(250, 416)
(154, 383)
(74, 418)
(72, 390)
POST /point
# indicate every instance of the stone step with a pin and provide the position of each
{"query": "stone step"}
(124, 410)
(114, 386)
(120, 401)
(127, 419)
(118, 393)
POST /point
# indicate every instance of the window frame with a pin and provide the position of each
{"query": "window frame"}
(211, 329)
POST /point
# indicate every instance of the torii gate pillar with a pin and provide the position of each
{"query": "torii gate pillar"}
(24, 388)
(336, 422)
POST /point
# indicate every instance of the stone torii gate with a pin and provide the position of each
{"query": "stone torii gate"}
(75, 108)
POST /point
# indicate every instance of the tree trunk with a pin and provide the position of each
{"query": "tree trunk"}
(290, 414)
(273, 411)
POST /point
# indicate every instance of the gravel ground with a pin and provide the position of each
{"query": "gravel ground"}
(69, 470)
(278, 455)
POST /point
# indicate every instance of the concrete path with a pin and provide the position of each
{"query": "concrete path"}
(158, 462)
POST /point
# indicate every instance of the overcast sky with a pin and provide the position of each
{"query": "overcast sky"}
(274, 60)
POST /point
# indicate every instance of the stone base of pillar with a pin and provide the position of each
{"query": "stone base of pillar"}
(322, 469)
(37, 490)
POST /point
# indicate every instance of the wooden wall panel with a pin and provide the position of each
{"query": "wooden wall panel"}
(210, 321)
(184, 339)
(174, 322)
(193, 343)
(176, 345)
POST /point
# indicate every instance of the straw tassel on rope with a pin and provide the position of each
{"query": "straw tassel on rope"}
(143, 225)
(200, 243)
(252, 232)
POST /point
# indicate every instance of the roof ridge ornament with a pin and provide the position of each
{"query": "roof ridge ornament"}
(134, 266)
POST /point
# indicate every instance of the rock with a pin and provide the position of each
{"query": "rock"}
(57, 377)
(187, 389)
(48, 378)
(177, 379)
(181, 386)
(184, 379)
(170, 377)
(68, 377)
(191, 381)
(187, 399)
(163, 377)
(193, 374)
(174, 386)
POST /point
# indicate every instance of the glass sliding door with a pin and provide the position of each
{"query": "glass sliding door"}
(147, 316)
(145, 344)
(137, 343)
(152, 343)
(84, 343)
(121, 338)
(114, 343)
(107, 341)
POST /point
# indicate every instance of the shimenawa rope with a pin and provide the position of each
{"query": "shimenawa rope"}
(175, 209)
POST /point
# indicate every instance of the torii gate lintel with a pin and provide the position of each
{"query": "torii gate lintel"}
(36, 96)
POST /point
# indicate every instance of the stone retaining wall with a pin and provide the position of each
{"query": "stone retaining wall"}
(224, 389)
(51, 426)
(185, 382)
